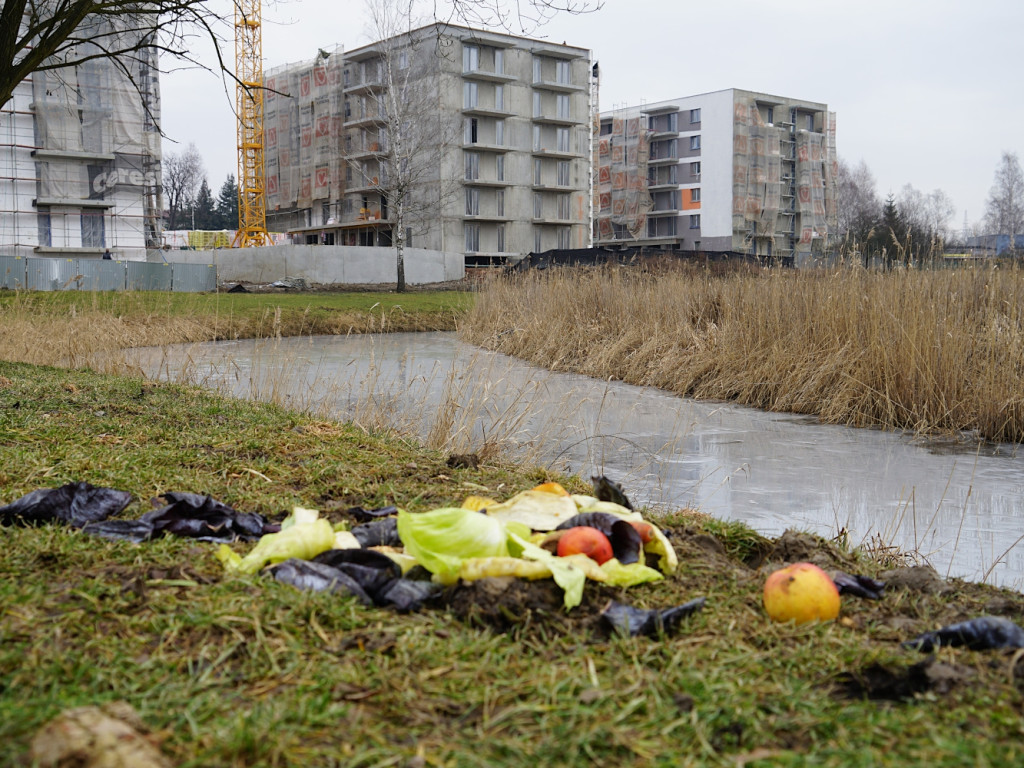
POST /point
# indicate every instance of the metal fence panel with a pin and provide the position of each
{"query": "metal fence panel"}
(101, 275)
(51, 274)
(12, 272)
(193, 278)
(143, 276)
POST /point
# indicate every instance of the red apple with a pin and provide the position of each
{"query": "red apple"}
(801, 592)
(583, 540)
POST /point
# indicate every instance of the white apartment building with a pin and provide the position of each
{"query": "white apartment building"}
(729, 172)
(504, 124)
(80, 161)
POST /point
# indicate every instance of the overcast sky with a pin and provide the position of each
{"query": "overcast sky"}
(927, 92)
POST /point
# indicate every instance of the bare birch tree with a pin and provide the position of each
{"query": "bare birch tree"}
(522, 17)
(1004, 210)
(414, 132)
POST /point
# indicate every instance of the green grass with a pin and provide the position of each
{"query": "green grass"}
(249, 672)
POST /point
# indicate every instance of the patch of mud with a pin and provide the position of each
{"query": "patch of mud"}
(918, 578)
(797, 547)
(878, 681)
(515, 605)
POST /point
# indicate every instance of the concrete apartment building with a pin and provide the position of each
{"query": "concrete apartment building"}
(80, 159)
(730, 171)
(504, 124)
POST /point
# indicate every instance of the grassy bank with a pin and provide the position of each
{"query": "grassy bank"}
(250, 672)
(76, 329)
(918, 350)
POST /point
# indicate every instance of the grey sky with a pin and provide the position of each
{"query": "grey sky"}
(927, 92)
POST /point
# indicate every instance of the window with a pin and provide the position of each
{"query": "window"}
(695, 142)
(536, 138)
(563, 105)
(499, 132)
(472, 130)
(537, 104)
(499, 204)
(499, 167)
(695, 195)
(695, 221)
(472, 238)
(472, 201)
(695, 170)
(606, 129)
(472, 166)
(403, 59)
(470, 58)
(537, 69)
(562, 73)
(501, 238)
(771, 115)
(92, 229)
(45, 231)
(563, 173)
(538, 240)
(499, 97)
(563, 206)
(562, 139)
(810, 122)
(564, 237)
(538, 205)
(499, 61)
(348, 109)
(695, 115)
(469, 95)
(538, 167)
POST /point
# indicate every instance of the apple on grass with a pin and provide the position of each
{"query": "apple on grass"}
(801, 592)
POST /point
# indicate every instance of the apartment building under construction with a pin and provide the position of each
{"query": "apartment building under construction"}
(501, 126)
(730, 171)
(80, 158)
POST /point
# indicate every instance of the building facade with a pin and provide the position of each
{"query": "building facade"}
(80, 159)
(479, 142)
(731, 171)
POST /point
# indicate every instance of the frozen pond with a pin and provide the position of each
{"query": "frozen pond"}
(960, 506)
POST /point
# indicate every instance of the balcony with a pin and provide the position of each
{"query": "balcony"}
(362, 121)
(482, 111)
(486, 183)
(554, 120)
(479, 147)
(667, 160)
(490, 77)
(551, 85)
(366, 86)
(558, 154)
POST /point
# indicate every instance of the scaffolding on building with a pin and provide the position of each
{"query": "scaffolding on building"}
(303, 121)
(80, 155)
(623, 200)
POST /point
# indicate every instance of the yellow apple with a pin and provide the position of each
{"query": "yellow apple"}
(801, 592)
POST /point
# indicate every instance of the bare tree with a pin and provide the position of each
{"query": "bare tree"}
(521, 17)
(413, 132)
(1004, 210)
(38, 35)
(183, 173)
(858, 205)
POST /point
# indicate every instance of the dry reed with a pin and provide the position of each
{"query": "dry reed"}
(919, 350)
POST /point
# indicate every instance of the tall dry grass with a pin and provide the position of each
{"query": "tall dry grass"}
(920, 350)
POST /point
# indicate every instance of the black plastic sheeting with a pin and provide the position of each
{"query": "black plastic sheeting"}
(858, 586)
(75, 504)
(980, 634)
(84, 506)
(631, 621)
(374, 578)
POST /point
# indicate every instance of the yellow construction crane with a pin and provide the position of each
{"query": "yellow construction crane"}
(252, 199)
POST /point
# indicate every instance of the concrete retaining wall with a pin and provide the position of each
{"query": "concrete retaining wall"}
(325, 264)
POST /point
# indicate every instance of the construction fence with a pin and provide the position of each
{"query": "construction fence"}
(43, 274)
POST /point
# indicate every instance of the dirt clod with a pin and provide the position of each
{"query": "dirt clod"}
(917, 578)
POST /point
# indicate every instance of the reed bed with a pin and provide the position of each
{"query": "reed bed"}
(88, 329)
(920, 350)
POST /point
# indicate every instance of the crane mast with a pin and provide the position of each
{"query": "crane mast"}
(252, 200)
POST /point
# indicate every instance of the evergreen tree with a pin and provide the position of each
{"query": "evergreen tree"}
(205, 215)
(891, 231)
(227, 204)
